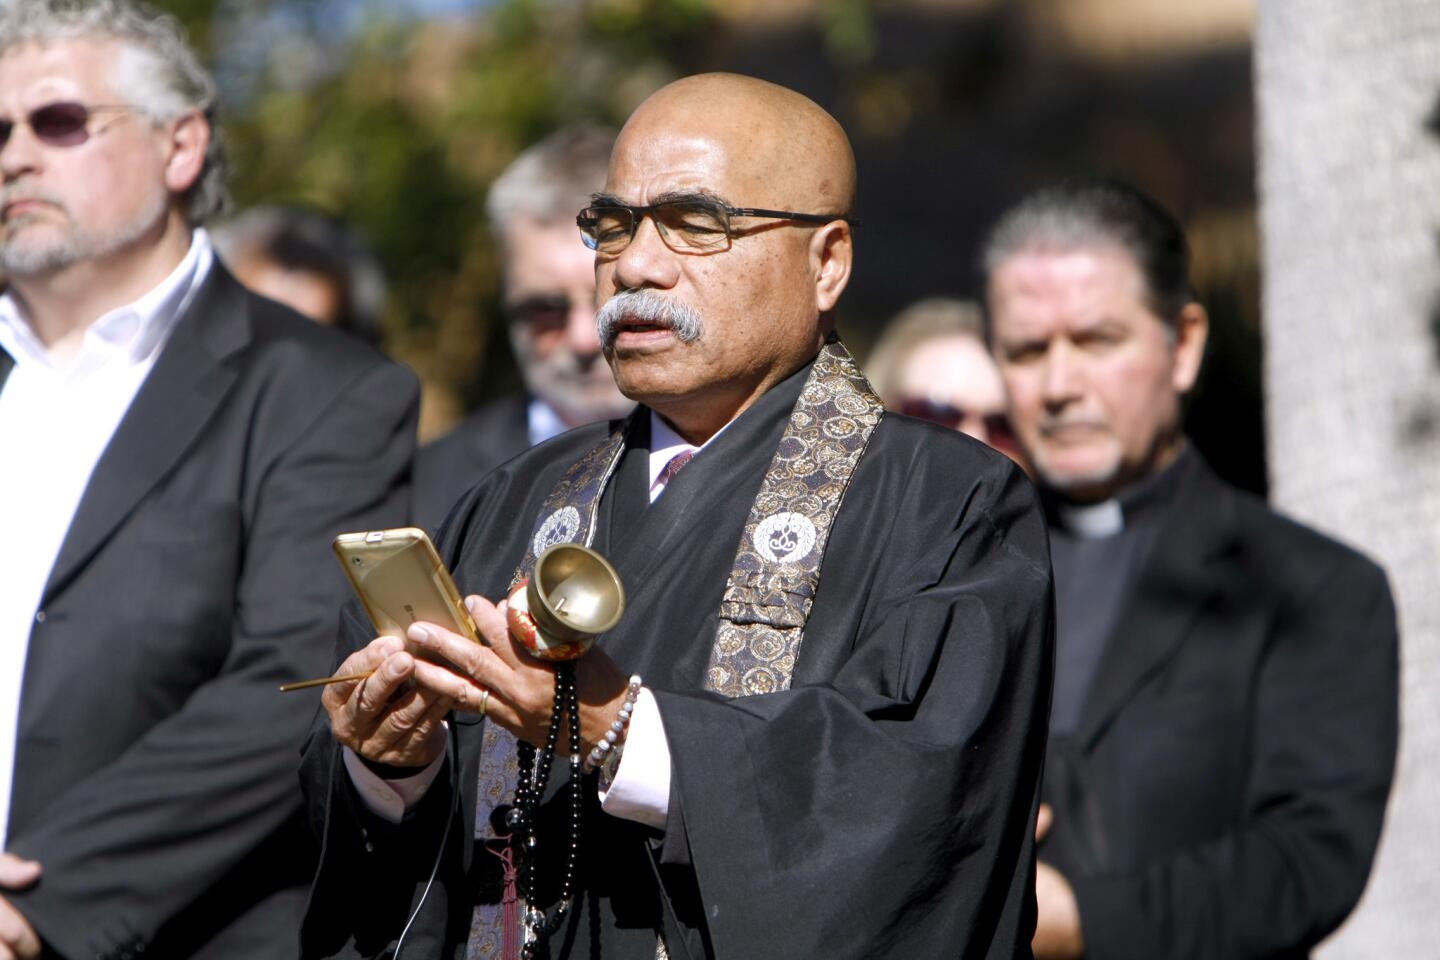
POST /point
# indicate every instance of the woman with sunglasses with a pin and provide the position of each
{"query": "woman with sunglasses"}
(931, 363)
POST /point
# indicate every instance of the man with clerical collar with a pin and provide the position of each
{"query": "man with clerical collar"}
(864, 793)
(1223, 732)
(179, 454)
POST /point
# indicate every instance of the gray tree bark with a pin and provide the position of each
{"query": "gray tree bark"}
(1349, 139)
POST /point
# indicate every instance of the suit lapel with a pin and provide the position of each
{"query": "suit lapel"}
(516, 435)
(1178, 581)
(187, 384)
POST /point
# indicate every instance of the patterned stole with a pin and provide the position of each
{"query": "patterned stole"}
(772, 583)
(567, 516)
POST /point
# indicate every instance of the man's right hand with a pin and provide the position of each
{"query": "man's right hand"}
(385, 718)
(17, 938)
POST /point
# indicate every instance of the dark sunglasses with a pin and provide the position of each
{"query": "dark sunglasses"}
(65, 123)
(541, 310)
(997, 425)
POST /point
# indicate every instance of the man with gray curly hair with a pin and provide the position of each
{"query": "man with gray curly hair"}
(157, 79)
(179, 454)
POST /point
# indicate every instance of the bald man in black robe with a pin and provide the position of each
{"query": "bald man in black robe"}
(879, 799)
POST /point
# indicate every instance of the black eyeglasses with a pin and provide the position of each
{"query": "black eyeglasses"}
(691, 225)
(65, 123)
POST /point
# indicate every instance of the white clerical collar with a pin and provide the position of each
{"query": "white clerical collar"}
(1091, 521)
(134, 330)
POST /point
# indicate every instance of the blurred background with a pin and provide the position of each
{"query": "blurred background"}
(395, 117)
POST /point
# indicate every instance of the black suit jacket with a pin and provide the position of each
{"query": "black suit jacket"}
(1223, 794)
(451, 465)
(155, 765)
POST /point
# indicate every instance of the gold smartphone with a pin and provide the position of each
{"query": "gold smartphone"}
(400, 579)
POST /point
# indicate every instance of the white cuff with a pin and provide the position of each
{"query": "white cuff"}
(389, 799)
(641, 788)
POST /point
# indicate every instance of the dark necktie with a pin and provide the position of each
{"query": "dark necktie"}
(673, 467)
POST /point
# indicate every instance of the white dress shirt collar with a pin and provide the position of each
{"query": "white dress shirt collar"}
(134, 331)
(60, 420)
(542, 422)
(665, 444)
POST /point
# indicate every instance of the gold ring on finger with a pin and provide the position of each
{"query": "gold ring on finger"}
(484, 700)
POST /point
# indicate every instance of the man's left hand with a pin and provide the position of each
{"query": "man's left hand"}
(522, 688)
(18, 940)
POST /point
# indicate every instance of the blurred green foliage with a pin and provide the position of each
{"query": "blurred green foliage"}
(398, 126)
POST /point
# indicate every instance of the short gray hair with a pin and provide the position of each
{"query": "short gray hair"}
(553, 180)
(1082, 214)
(156, 71)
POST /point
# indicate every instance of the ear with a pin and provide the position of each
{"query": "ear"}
(832, 253)
(1192, 329)
(187, 140)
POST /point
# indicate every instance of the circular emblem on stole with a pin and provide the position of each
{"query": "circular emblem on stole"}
(562, 526)
(784, 537)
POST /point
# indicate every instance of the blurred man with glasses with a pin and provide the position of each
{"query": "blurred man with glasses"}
(178, 455)
(548, 277)
(836, 638)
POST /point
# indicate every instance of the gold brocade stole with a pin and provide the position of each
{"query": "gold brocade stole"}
(772, 582)
(568, 513)
(777, 568)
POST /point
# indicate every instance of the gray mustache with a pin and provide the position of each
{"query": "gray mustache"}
(646, 306)
(11, 194)
(1051, 426)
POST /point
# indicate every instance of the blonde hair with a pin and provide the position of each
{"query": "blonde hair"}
(918, 324)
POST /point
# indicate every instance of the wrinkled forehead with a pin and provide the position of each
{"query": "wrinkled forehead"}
(751, 143)
(80, 68)
(655, 161)
(1079, 282)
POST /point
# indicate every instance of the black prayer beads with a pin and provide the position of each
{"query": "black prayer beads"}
(529, 791)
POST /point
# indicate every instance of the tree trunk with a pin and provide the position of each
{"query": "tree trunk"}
(1349, 99)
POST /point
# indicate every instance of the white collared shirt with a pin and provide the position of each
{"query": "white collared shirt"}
(542, 422)
(55, 422)
(665, 445)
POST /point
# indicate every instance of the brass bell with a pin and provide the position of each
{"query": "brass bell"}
(573, 596)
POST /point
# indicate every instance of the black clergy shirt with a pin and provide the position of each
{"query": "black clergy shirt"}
(1098, 551)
